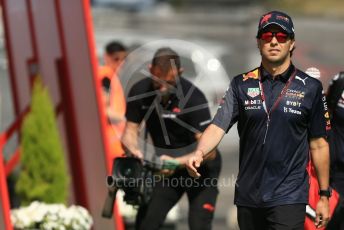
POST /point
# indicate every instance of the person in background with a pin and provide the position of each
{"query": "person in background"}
(175, 113)
(281, 120)
(335, 101)
(113, 97)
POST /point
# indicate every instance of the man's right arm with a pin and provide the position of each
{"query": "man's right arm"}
(130, 139)
(210, 138)
(226, 116)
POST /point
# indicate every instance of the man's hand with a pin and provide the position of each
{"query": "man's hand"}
(135, 153)
(167, 172)
(322, 212)
(194, 162)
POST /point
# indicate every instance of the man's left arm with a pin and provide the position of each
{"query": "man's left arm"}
(319, 150)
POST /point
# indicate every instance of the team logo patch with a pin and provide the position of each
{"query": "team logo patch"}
(293, 103)
(301, 79)
(291, 110)
(280, 17)
(169, 115)
(295, 94)
(265, 18)
(252, 75)
(176, 110)
(253, 92)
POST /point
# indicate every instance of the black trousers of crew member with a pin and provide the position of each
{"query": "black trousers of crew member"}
(284, 217)
(166, 194)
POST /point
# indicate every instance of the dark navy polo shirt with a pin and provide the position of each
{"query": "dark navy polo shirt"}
(337, 144)
(172, 124)
(273, 173)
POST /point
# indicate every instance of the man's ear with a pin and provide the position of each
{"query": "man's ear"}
(180, 70)
(150, 67)
(292, 45)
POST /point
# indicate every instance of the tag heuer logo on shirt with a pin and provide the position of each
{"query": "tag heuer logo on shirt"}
(253, 92)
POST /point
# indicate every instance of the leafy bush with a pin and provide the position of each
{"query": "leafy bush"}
(43, 175)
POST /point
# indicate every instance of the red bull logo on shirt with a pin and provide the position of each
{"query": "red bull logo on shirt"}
(251, 75)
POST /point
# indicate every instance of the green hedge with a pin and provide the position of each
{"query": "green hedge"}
(43, 174)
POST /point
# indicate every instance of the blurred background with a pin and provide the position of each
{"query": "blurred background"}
(219, 36)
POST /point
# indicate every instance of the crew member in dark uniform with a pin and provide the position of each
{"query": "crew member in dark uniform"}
(175, 113)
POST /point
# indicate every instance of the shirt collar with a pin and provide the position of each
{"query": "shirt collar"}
(282, 77)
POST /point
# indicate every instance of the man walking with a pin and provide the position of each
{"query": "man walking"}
(280, 115)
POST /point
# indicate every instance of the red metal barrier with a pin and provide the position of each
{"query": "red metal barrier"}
(119, 223)
(6, 168)
(70, 84)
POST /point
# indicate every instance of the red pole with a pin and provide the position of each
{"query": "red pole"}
(5, 204)
(70, 122)
(5, 170)
(89, 29)
(4, 196)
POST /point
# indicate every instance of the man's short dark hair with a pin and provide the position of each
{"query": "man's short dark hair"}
(114, 47)
(166, 57)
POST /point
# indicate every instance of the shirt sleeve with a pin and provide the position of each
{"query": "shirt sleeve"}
(319, 117)
(228, 111)
(134, 110)
(199, 118)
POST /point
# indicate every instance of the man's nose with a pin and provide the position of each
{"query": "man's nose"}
(164, 80)
(274, 40)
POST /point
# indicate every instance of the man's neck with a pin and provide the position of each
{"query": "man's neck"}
(276, 68)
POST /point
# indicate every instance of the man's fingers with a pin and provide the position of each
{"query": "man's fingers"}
(193, 173)
(197, 163)
(317, 220)
(138, 154)
(321, 221)
(192, 168)
(197, 175)
(324, 222)
(167, 172)
(165, 157)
